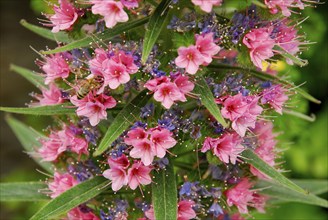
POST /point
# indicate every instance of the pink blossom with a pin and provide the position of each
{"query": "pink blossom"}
(73, 143)
(209, 144)
(144, 150)
(77, 214)
(274, 96)
(55, 67)
(185, 86)
(189, 58)
(234, 107)
(51, 147)
(96, 64)
(150, 214)
(185, 211)
(115, 74)
(61, 183)
(259, 202)
(206, 46)
(260, 45)
(111, 10)
(127, 60)
(119, 162)
(130, 3)
(64, 17)
(135, 135)
(93, 107)
(240, 195)
(162, 140)
(153, 84)
(207, 5)
(118, 177)
(284, 6)
(51, 96)
(138, 174)
(167, 94)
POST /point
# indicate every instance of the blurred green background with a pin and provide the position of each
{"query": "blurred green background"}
(306, 156)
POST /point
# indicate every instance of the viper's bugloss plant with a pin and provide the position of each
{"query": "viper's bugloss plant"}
(162, 109)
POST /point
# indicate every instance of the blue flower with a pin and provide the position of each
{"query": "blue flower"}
(215, 209)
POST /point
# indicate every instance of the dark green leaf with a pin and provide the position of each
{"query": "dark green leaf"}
(252, 158)
(265, 76)
(61, 109)
(29, 140)
(285, 194)
(34, 78)
(106, 35)
(24, 191)
(164, 193)
(207, 99)
(46, 33)
(129, 114)
(154, 28)
(72, 198)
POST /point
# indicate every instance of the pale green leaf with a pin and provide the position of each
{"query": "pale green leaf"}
(265, 76)
(106, 35)
(22, 191)
(46, 33)
(298, 61)
(252, 158)
(29, 140)
(34, 78)
(129, 114)
(315, 186)
(164, 193)
(71, 198)
(310, 118)
(207, 99)
(61, 109)
(154, 28)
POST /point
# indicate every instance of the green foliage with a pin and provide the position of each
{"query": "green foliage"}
(164, 193)
(61, 109)
(22, 191)
(183, 39)
(34, 78)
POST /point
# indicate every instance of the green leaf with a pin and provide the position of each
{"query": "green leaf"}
(106, 35)
(46, 33)
(285, 194)
(155, 25)
(265, 76)
(34, 78)
(296, 60)
(164, 193)
(29, 140)
(207, 99)
(61, 109)
(23, 191)
(252, 158)
(129, 114)
(316, 187)
(71, 198)
(310, 118)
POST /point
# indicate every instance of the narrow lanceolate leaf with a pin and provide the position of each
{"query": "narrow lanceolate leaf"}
(61, 109)
(282, 193)
(265, 76)
(129, 114)
(155, 25)
(207, 99)
(29, 140)
(34, 78)
(298, 61)
(106, 35)
(252, 158)
(164, 193)
(316, 187)
(24, 191)
(72, 198)
(310, 118)
(46, 33)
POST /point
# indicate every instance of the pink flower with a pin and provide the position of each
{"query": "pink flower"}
(127, 60)
(118, 177)
(138, 174)
(162, 140)
(55, 67)
(73, 143)
(93, 107)
(96, 64)
(64, 17)
(111, 10)
(240, 195)
(189, 58)
(150, 214)
(185, 86)
(115, 74)
(144, 150)
(206, 46)
(77, 214)
(119, 162)
(153, 84)
(284, 6)
(259, 202)
(234, 107)
(52, 147)
(130, 3)
(260, 45)
(274, 96)
(167, 94)
(207, 5)
(61, 183)
(51, 96)
(185, 211)
(135, 135)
